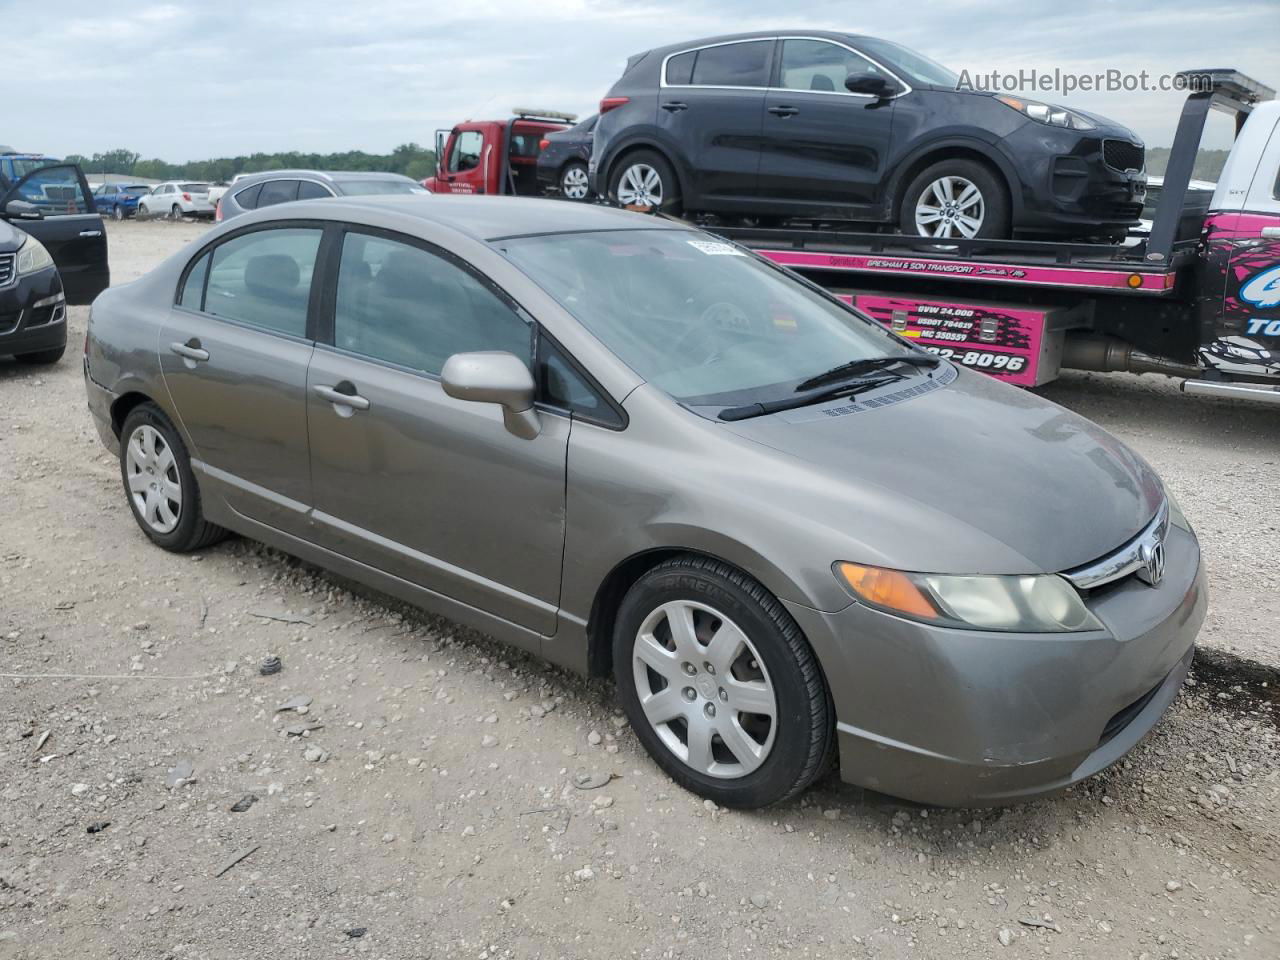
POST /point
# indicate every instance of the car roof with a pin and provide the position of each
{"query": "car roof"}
(492, 218)
(758, 35)
(332, 176)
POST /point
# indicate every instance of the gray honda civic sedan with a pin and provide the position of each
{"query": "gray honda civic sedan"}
(630, 447)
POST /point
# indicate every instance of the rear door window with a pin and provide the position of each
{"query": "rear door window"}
(310, 190)
(733, 65)
(277, 191)
(264, 278)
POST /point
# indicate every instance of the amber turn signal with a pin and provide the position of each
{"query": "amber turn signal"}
(888, 589)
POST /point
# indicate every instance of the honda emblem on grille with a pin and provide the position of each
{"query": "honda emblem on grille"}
(1152, 557)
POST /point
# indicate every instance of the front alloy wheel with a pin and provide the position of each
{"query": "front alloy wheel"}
(950, 207)
(704, 690)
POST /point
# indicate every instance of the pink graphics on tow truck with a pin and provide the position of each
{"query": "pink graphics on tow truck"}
(1016, 345)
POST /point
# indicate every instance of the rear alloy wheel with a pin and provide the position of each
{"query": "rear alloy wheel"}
(720, 685)
(159, 483)
(117, 213)
(175, 213)
(645, 180)
(955, 199)
(573, 182)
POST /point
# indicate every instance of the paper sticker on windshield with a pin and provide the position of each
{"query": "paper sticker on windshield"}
(714, 248)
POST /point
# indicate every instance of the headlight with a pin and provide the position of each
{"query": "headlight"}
(1176, 516)
(32, 257)
(1017, 604)
(1043, 113)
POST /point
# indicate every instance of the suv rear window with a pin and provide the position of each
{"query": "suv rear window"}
(733, 65)
(680, 68)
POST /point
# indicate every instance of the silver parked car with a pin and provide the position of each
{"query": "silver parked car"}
(629, 446)
(258, 190)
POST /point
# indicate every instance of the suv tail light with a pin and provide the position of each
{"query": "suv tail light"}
(543, 144)
(613, 103)
(186, 197)
(217, 214)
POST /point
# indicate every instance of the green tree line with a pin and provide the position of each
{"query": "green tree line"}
(409, 159)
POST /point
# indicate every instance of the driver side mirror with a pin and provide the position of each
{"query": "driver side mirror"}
(495, 377)
(871, 84)
(22, 210)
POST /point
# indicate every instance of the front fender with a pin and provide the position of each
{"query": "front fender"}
(918, 158)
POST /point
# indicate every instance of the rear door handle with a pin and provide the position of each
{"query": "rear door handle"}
(90, 233)
(340, 399)
(674, 106)
(784, 111)
(191, 350)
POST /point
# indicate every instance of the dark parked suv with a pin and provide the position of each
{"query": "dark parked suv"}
(819, 125)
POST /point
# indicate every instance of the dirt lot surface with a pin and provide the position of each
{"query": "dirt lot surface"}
(420, 797)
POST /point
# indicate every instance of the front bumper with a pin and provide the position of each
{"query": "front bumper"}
(969, 718)
(33, 314)
(1066, 184)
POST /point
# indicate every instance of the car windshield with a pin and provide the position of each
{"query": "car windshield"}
(699, 318)
(365, 188)
(194, 187)
(21, 167)
(900, 59)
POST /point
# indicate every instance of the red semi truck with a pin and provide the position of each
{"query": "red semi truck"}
(1197, 298)
(494, 156)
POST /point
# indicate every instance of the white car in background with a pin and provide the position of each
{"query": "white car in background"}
(218, 190)
(176, 199)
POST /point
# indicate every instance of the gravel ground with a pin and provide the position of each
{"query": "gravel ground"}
(421, 797)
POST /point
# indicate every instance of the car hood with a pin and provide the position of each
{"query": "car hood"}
(974, 477)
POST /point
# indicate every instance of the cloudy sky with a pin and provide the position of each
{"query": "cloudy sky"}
(195, 79)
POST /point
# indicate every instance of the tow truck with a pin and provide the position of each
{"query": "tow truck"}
(494, 156)
(1198, 297)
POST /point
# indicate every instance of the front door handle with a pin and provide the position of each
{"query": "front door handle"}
(191, 350)
(338, 398)
(674, 106)
(784, 111)
(90, 233)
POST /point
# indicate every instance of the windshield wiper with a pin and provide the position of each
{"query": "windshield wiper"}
(851, 369)
(849, 389)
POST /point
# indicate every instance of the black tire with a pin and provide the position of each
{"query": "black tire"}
(42, 357)
(995, 221)
(574, 168)
(671, 202)
(192, 532)
(175, 213)
(803, 744)
(117, 213)
(140, 212)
